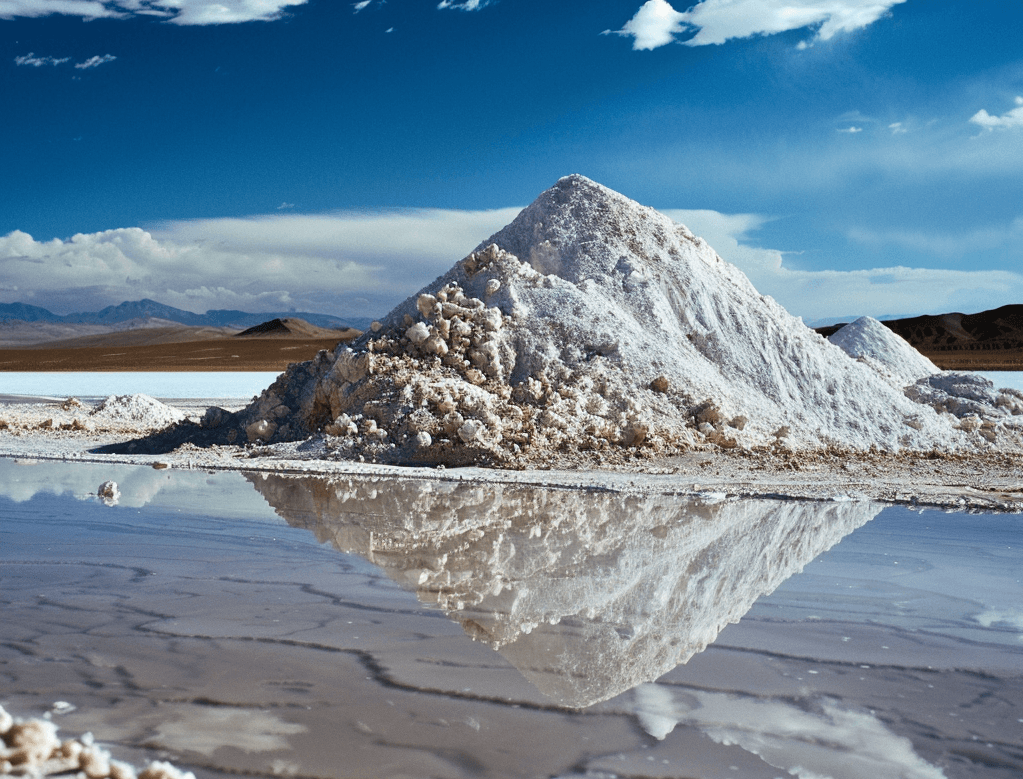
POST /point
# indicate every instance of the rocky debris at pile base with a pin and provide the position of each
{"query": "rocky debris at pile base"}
(589, 326)
(31, 748)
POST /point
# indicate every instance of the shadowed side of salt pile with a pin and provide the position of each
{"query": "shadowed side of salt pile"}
(587, 594)
(590, 324)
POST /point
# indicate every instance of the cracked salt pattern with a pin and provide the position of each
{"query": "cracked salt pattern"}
(176, 627)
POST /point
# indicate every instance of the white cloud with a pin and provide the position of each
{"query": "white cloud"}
(851, 130)
(818, 294)
(898, 128)
(465, 5)
(185, 12)
(655, 24)
(1009, 120)
(362, 4)
(95, 62)
(310, 262)
(32, 60)
(716, 21)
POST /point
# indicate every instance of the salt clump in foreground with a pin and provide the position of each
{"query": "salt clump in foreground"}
(31, 748)
(591, 324)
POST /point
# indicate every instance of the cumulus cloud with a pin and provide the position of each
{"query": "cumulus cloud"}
(1010, 120)
(655, 24)
(354, 264)
(185, 12)
(716, 21)
(818, 294)
(31, 60)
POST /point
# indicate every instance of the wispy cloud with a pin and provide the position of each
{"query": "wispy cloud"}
(95, 62)
(1012, 119)
(184, 12)
(31, 60)
(465, 5)
(851, 130)
(817, 294)
(657, 23)
(361, 5)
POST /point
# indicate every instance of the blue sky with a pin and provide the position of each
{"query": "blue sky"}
(852, 156)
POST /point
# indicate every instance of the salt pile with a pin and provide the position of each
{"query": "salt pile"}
(885, 351)
(140, 410)
(589, 324)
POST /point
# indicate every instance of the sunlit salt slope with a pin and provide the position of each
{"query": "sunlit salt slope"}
(590, 323)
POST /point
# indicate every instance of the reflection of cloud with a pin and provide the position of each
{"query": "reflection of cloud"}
(656, 23)
(815, 294)
(1013, 619)
(822, 740)
(139, 486)
(205, 729)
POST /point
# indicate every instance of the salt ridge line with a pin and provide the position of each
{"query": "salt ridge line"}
(590, 323)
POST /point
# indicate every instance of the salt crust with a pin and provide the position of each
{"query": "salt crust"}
(592, 323)
(31, 748)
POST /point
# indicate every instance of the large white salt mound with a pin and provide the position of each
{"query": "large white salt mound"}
(887, 352)
(137, 410)
(590, 323)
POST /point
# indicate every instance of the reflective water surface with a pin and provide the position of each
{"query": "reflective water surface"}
(348, 627)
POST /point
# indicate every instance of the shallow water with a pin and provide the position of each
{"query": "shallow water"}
(157, 384)
(259, 624)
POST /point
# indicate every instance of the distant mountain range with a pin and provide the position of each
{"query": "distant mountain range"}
(150, 309)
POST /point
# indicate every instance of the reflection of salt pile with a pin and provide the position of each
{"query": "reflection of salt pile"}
(587, 594)
(590, 323)
(31, 748)
(141, 411)
(973, 400)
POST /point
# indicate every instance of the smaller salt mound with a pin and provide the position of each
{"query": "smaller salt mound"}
(889, 354)
(139, 411)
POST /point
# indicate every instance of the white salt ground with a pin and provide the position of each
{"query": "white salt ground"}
(592, 323)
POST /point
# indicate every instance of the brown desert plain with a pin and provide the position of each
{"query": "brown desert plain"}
(270, 346)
